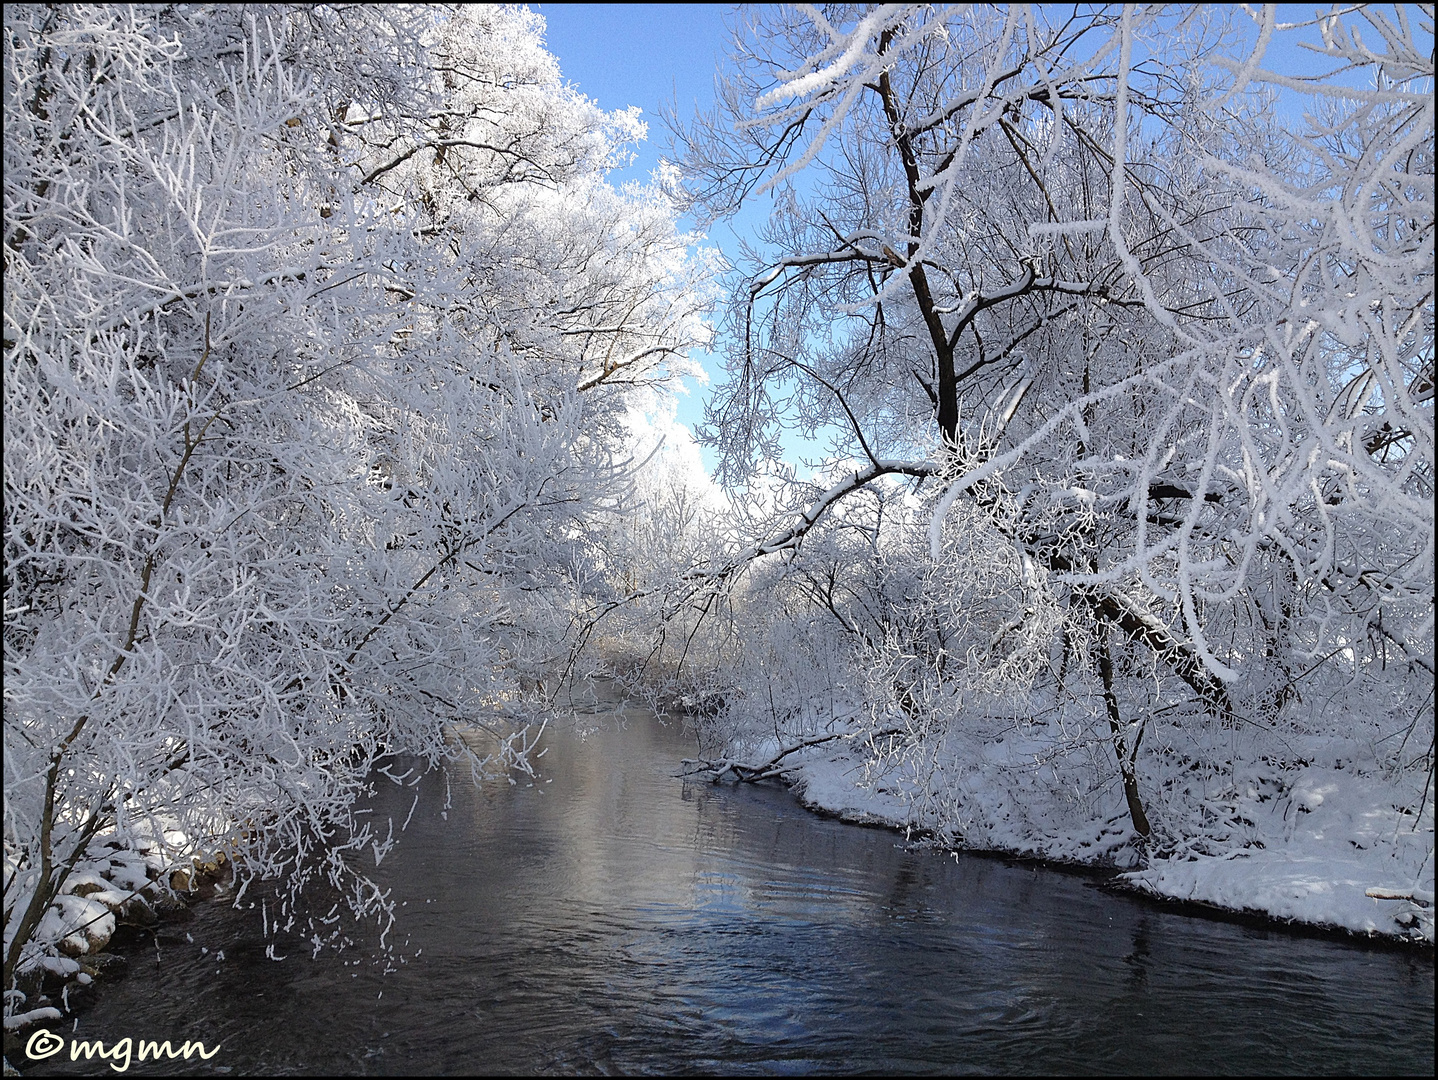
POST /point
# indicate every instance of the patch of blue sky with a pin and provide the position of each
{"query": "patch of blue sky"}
(656, 56)
(1293, 50)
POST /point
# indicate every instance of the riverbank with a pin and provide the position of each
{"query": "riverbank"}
(115, 889)
(605, 916)
(1316, 840)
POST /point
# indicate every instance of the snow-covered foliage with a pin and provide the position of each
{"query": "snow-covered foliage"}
(1149, 330)
(321, 327)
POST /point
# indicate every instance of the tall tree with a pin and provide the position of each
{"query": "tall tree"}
(1168, 359)
(320, 327)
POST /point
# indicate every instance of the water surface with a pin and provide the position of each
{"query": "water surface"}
(611, 918)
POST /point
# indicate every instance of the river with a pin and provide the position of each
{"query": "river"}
(612, 918)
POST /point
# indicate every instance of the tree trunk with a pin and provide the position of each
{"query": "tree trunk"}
(1116, 727)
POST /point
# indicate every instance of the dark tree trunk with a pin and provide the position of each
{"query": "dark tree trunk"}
(1116, 727)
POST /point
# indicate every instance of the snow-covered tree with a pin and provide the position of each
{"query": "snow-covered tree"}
(321, 326)
(1159, 360)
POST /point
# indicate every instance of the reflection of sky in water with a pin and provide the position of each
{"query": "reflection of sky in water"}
(617, 920)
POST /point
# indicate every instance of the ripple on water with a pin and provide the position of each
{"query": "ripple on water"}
(619, 921)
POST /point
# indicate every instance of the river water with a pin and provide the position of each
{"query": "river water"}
(612, 918)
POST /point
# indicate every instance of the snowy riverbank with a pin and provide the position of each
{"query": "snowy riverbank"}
(115, 885)
(1324, 838)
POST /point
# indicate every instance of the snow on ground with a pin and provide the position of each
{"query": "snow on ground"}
(1320, 851)
(1318, 838)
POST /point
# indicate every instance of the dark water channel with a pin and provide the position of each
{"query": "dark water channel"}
(617, 920)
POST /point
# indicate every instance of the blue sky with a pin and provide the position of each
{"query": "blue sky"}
(640, 54)
(654, 55)
(647, 55)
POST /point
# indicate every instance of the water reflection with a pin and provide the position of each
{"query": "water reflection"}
(617, 920)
